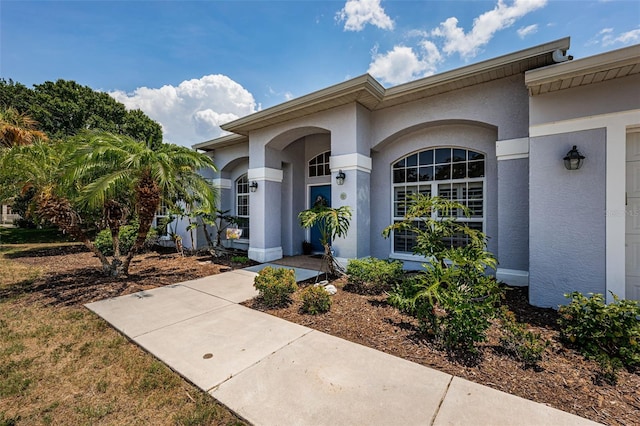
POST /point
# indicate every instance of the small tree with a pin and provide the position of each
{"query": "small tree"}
(99, 181)
(332, 223)
(453, 298)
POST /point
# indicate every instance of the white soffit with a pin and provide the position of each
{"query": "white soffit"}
(581, 72)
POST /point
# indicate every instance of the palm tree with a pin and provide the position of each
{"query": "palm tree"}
(113, 165)
(18, 128)
(332, 223)
(94, 180)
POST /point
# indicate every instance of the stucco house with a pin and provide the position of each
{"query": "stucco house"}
(492, 135)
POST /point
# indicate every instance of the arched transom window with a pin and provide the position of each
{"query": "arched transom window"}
(452, 173)
(319, 165)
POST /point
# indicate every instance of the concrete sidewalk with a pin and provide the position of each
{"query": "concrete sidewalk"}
(273, 372)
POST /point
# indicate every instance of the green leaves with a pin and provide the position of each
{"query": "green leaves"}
(452, 298)
(332, 223)
(609, 333)
(65, 108)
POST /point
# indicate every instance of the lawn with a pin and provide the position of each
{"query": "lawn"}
(61, 364)
(10, 235)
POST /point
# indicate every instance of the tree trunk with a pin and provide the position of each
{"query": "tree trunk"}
(59, 212)
(206, 234)
(147, 203)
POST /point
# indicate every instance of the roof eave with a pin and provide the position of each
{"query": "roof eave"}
(578, 67)
(457, 74)
(221, 142)
(363, 83)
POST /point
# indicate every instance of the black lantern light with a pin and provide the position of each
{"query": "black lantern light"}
(340, 177)
(253, 187)
(573, 159)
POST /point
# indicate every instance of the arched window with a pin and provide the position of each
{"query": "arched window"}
(242, 205)
(452, 173)
(319, 165)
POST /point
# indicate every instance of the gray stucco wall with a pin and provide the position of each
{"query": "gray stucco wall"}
(476, 138)
(601, 98)
(567, 217)
(501, 104)
(513, 214)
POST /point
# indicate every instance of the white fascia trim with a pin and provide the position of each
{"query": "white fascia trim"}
(265, 255)
(616, 125)
(625, 118)
(513, 277)
(512, 149)
(221, 183)
(350, 162)
(265, 173)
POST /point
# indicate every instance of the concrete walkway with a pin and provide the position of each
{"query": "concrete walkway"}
(273, 372)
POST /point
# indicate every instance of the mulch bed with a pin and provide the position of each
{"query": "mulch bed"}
(563, 379)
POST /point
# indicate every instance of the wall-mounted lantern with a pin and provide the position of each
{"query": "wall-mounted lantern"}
(340, 177)
(253, 187)
(573, 159)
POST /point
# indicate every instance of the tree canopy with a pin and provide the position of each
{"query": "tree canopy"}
(65, 108)
(99, 180)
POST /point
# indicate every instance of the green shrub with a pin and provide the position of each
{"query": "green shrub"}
(128, 235)
(315, 300)
(524, 345)
(275, 286)
(452, 298)
(371, 275)
(240, 259)
(608, 333)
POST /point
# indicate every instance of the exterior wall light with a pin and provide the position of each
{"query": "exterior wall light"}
(340, 177)
(573, 159)
(254, 186)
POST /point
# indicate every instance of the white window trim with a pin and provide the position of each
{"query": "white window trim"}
(235, 203)
(401, 255)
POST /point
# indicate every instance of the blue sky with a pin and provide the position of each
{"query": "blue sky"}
(193, 65)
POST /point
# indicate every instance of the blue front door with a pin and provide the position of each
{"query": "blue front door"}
(318, 194)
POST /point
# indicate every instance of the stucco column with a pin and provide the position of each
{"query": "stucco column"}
(513, 211)
(355, 193)
(265, 214)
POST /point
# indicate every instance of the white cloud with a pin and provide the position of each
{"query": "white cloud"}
(607, 37)
(502, 16)
(193, 111)
(402, 64)
(528, 30)
(357, 13)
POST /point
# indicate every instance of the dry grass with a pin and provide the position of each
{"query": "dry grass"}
(64, 365)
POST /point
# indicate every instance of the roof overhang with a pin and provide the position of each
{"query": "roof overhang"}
(368, 92)
(364, 90)
(482, 72)
(582, 72)
(221, 142)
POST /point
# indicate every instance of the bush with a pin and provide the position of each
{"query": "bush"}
(275, 286)
(452, 299)
(608, 333)
(240, 259)
(128, 235)
(373, 276)
(524, 345)
(315, 300)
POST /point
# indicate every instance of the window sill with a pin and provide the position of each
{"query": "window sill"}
(408, 257)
